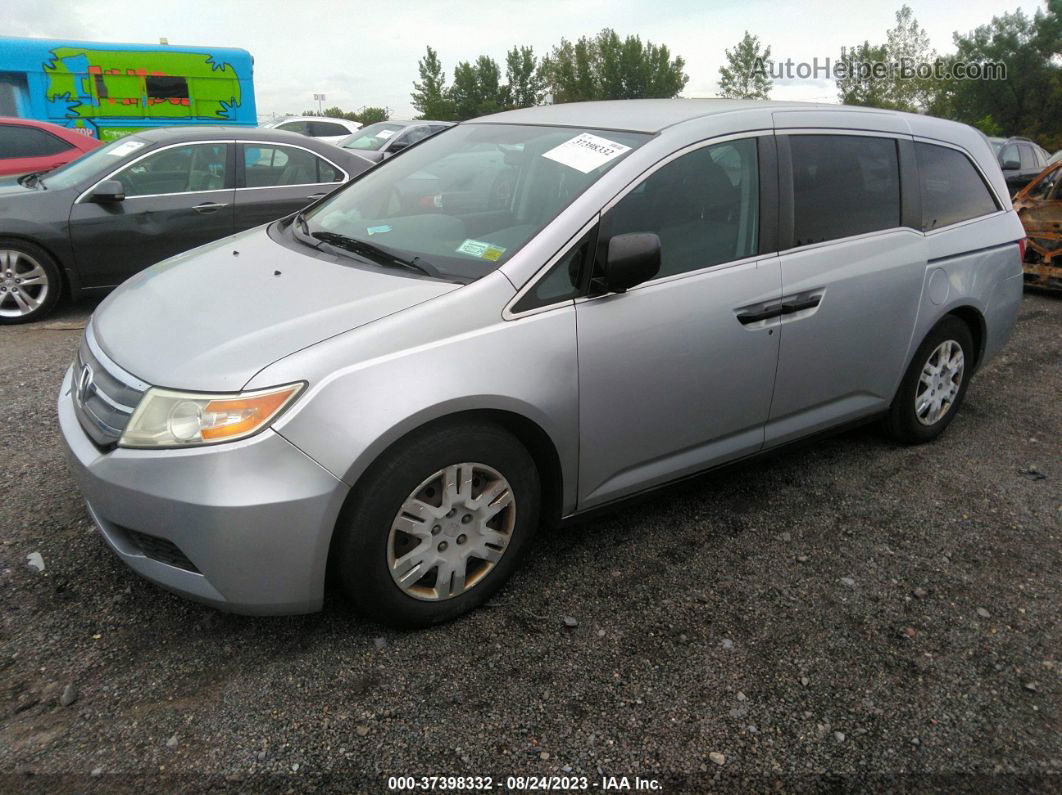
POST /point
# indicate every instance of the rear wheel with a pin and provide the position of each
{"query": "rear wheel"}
(29, 282)
(934, 385)
(437, 525)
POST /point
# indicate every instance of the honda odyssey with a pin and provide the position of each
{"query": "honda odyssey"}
(394, 387)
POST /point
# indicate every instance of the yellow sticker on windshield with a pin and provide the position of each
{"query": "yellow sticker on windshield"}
(477, 248)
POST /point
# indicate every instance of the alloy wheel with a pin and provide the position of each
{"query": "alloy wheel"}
(939, 382)
(23, 283)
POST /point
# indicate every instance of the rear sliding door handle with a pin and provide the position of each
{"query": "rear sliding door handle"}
(792, 307)
(745, 318)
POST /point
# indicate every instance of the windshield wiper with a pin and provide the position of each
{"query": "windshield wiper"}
(374, 253)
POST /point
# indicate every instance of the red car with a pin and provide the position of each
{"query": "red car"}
(27, 145)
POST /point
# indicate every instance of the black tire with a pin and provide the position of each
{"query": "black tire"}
(902, 422)
(360, 551)
(51, 291)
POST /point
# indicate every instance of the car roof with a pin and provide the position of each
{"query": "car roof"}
(637, 115)
(411, 122)
(312, 118)
(655, 115)
(219, 133)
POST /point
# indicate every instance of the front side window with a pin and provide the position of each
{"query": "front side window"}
(843, 185)
(276, 166)
(952, 190)
(463, 203)
(704, 207)
(322, 129)
(1009, 158)
(300, 127)
(562, 282)
(179, 169)
(18, 141)
(1028, 158)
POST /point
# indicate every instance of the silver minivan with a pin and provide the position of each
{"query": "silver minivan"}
(395, 387)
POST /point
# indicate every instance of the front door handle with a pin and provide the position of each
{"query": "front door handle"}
(316, 196)
(209, 207)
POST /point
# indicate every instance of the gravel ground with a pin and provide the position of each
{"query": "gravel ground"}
(849, 612)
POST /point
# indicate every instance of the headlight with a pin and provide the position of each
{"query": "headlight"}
(166, 418)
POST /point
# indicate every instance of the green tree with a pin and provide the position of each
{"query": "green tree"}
(525, 86)
(608, 67)
(430, 96)
(908, 45)
(745, 75)
(477, 88)
(371, 115)
(860, 84)
(1029, 101)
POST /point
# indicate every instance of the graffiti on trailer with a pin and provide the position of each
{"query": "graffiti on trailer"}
(90, 83)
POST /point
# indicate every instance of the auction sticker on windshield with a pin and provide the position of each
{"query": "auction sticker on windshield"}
(125, 148)
(586, 152)
(477, 248)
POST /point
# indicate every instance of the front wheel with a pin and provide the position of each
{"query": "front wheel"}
(934, 385)
(437, 525)
(29, 282)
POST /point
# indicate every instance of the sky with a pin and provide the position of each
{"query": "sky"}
(359, 55)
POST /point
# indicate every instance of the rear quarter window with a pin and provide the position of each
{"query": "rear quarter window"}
(952, 188)
(18, 141)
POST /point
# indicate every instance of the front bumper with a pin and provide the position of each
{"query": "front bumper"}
(254, 518)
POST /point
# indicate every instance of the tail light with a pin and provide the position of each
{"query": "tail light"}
(1021, 248)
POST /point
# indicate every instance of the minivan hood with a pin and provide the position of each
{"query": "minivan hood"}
(209, 319)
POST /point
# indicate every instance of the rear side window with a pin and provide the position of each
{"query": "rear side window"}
(29, 142)
(952, 189)
(275, 166)
(843, 185)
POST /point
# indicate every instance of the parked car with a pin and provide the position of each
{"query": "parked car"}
(1020, 159)
(401, 399)
(84, 228)
(28, 146)
(1039, 206)
(322, 128)
(379, 141)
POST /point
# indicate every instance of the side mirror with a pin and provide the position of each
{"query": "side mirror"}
(110, 190)
(632, 259)
(1011, 165)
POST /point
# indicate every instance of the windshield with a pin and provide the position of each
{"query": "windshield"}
(92, 163)
(372, 137)
(465, 202)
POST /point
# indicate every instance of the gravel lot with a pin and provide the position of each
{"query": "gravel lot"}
(850, 611)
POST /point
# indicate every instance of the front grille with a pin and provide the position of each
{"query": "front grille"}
(161, 550)
(105, 396)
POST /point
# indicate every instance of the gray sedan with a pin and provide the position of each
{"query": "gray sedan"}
(377, 142)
